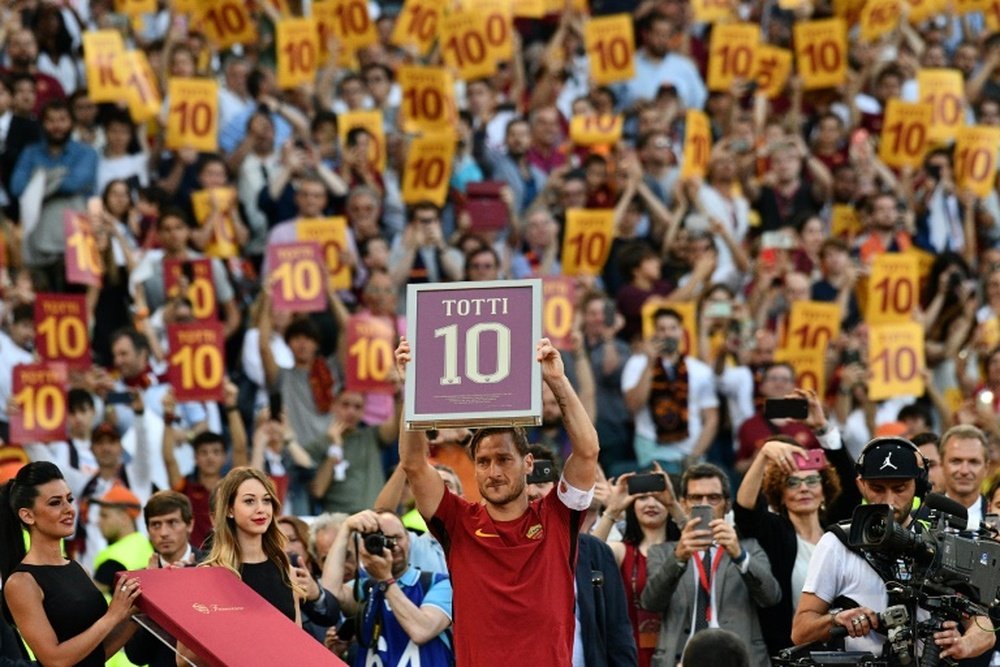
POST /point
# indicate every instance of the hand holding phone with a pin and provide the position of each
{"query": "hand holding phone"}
(647, 483)
(786, 408)
(813, 459)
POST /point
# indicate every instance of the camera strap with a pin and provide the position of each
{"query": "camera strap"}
(885, 570)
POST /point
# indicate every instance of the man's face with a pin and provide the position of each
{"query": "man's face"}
(884, 213)
(380, 295)
(963, 466)
(989, 113)
(57, 125)
(705, 491)
(935, 474)
(668, 327)
(656, 39)
(113, 523)
(213, 175)
(500, 471)
(393, 527)
(128, 361)
(303, 349)
(518, 139)
(107, 451)
(22, 333)
(79, 422)
(545, 128)
(483, 266)
(348, 408)
(25, 96)
(480, 98)
(173, 234)
(169, 535)
(310, 199)
(787, 165)
(573, 194)
(539, 490)
(898, 493)
(540, 230)
(778, 381)
(209, 458)
(22, 49)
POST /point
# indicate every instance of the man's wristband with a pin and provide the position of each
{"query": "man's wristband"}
(384, 585)
(824, 429)
(335, 452)
(742, 557)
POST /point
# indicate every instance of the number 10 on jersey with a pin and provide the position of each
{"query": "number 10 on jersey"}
(473, 350)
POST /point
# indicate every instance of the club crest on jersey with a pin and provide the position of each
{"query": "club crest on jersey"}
(535, 532)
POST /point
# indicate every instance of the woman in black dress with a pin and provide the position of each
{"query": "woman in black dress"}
(52, 601)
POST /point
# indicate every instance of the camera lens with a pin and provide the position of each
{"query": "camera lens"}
(875, 531)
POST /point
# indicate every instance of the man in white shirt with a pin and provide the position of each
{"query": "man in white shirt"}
(15, 349)
(656, 65)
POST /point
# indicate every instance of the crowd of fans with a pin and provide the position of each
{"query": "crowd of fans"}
(677, 339)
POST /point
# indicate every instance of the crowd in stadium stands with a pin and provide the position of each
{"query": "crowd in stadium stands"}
(738, 201)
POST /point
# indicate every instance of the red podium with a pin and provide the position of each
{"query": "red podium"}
(224, 621)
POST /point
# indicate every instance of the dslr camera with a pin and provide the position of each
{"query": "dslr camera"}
(377, 541)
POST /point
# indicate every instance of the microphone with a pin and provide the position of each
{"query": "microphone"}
(957, 513)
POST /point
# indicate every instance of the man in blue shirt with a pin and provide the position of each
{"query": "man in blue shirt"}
(70, 169)
(406, 612)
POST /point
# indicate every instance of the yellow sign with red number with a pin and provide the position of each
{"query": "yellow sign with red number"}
(102, 50)
(713, 11)
(893, 289)
(225, 22)
(992, 13)
(809, 367)
(592, 130)
(732, 54)
(559, 310)
(944, 90)
(141, 90)
(428, 98)
(587, 241)
(331, 235)
(351, 25)
(689, 321)
(428, 169)
(879, 17)
(697, 144)
(298, 51)
(821, 52)
(370, 120)
(84, 264)
(772, 69)
(922, 10)
(844, 221)
(812, 325)
(903, 142)
(463, 44)
(969, 6)
(222, 203)
(135, 7)
(895, 360)
(197, 277)
(193, 117)
(417, 25)
(499, 26)
(976, 158)
(610, 45)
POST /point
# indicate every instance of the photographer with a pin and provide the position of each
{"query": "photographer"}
(890, 471)
(404, 612)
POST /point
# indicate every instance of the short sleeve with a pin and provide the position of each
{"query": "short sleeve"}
(439, 596)
(446, 514)
(632, 371)
(822, 579)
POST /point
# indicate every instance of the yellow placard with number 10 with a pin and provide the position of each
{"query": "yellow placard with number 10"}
(193, 118)
(812, 325)
(732, 55)
(587, 241)
(904, 133)
(821, 52)
(428, 168)
(893, 289)
(101, 51)
(896, 360)
(697, 144)
(976, 158)
(610, 46)
(298, 51)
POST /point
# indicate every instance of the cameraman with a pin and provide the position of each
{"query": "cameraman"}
(405, 612)
(890, 471)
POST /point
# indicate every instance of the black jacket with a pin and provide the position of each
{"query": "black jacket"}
(604, 624)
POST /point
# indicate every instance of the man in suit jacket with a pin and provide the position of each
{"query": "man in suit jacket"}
(709, 578)
(601, 607)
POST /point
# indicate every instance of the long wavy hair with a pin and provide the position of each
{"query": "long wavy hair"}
(225, 545)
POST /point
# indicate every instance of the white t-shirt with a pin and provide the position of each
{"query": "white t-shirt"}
(701, 395)
(834, 571)
(803, 554)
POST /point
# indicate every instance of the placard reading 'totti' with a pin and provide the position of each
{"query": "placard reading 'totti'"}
(473, 347)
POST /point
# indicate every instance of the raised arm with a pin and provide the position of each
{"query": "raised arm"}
(237, 431)
(425, 483)
(174, 476)
(581, 466)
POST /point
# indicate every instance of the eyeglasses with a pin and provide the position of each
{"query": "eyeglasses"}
(808, 480)
(483, 266)
(705, 498)
(427, 221)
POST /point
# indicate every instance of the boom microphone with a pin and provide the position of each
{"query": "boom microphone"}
(958, 514)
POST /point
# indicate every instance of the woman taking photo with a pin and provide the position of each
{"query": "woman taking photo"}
(799, 492)
(646, 517)
(55, 605)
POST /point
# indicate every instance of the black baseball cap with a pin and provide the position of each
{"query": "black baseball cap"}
(890, 458)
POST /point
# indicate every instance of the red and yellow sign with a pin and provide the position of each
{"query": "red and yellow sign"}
(216, 207)
(587, 241)
(428, 99)
(594, 130)
(331, 235)
(351, 24)
(370, 344)
(976, 158)
(904, 134)
(944, 90)
(197, 361)
(297, 277)
(370, 120)
(809, 367)
(893, 289)
(844, 221)
(141, 89)
(84, 265)
(39, 392)
(225, 22)
(879, 17)
(135, 8)
(61, 329)
(417, 25)
(812, 325)
(922, 10)
(559, 310)
(821, 52)
(193, 120)
(732, 54)
(697, 144)
(499, 25)
(772, 69)
(610, 46)
(463, 44)
(200, 290)
(298, 51)
(712, 11)
(102, 50)
(896, 360)
(428, 169)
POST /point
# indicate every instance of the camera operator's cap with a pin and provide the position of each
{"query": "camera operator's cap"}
(889, 458)
(105, 431)
(123, 499)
